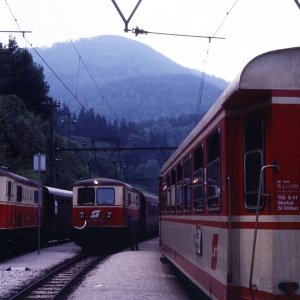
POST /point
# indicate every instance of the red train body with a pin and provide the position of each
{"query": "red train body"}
(19, 213)
(230, 201)
(101, 208)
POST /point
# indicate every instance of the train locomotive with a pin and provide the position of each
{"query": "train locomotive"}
(19, 213)
(229, 195)
(102, 208)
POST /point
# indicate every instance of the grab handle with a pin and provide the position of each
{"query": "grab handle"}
(275, 167)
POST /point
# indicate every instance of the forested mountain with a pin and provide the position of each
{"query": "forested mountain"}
(146, 100)
(133, 81)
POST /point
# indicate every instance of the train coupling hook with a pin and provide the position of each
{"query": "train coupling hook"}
(82, 216)
(82, 227)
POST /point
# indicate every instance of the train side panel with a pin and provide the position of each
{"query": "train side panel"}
(285, 203)
(57, 214)
(229, 195)
(18, 209)
(19, 214)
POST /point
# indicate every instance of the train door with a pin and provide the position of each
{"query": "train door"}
(125, 207)
(10, 201)
(231, 165)
(143, 212)
(285, 200)
(253, 159)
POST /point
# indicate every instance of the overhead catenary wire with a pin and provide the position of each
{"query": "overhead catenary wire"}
(297, 3)
(225, 17)
(44, 61)
(138, 31)
(202, 81)
(77, 80)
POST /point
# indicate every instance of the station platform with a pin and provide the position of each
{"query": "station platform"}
(131, 275)
(127, 275)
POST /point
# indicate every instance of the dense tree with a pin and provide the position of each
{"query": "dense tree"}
(22, 134)
(20, 76)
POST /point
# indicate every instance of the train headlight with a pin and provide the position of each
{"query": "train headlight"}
(82, 215)
(109, 215)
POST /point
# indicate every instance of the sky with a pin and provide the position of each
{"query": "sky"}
(245, 28)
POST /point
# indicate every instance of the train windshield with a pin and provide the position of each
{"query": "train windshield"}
(86, 196)
(105, 196)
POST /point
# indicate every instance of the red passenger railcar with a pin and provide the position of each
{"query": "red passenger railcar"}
(102, 208)
(19, 213)
(230, 202)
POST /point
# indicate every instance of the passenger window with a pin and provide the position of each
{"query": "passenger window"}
(55, 207)
(165, 198)
(105, 196)
(36, 196)
(213, 172)
(187, 184)
(19, 193)
(253, 162)
(9, 190)
(198, 179)
(173, 191)
(129, 198)
(86, 196)
(179, 195)
(168, 193)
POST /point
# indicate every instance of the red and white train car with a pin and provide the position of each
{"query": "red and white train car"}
(230, 201)
(102, 208)
(19, 213)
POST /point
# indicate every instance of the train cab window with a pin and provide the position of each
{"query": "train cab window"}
(19, 193)
(198, 181)
(179, 194)
(187, 184)
(253, 161)
(86, 196)
(213, 171)
(9, 190)
(105, 196)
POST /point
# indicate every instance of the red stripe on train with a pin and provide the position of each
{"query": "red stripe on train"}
(241, 225)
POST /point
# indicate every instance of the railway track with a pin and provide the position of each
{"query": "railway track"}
(54, 284)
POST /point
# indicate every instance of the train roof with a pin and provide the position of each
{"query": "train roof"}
(19, 178)
(58, 192)
(151, 197)
(100, 181)
(277, 70)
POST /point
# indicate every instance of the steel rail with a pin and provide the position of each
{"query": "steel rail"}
(55, 283)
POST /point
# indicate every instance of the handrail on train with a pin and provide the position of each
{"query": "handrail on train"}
(229, 274)
(275, 167)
